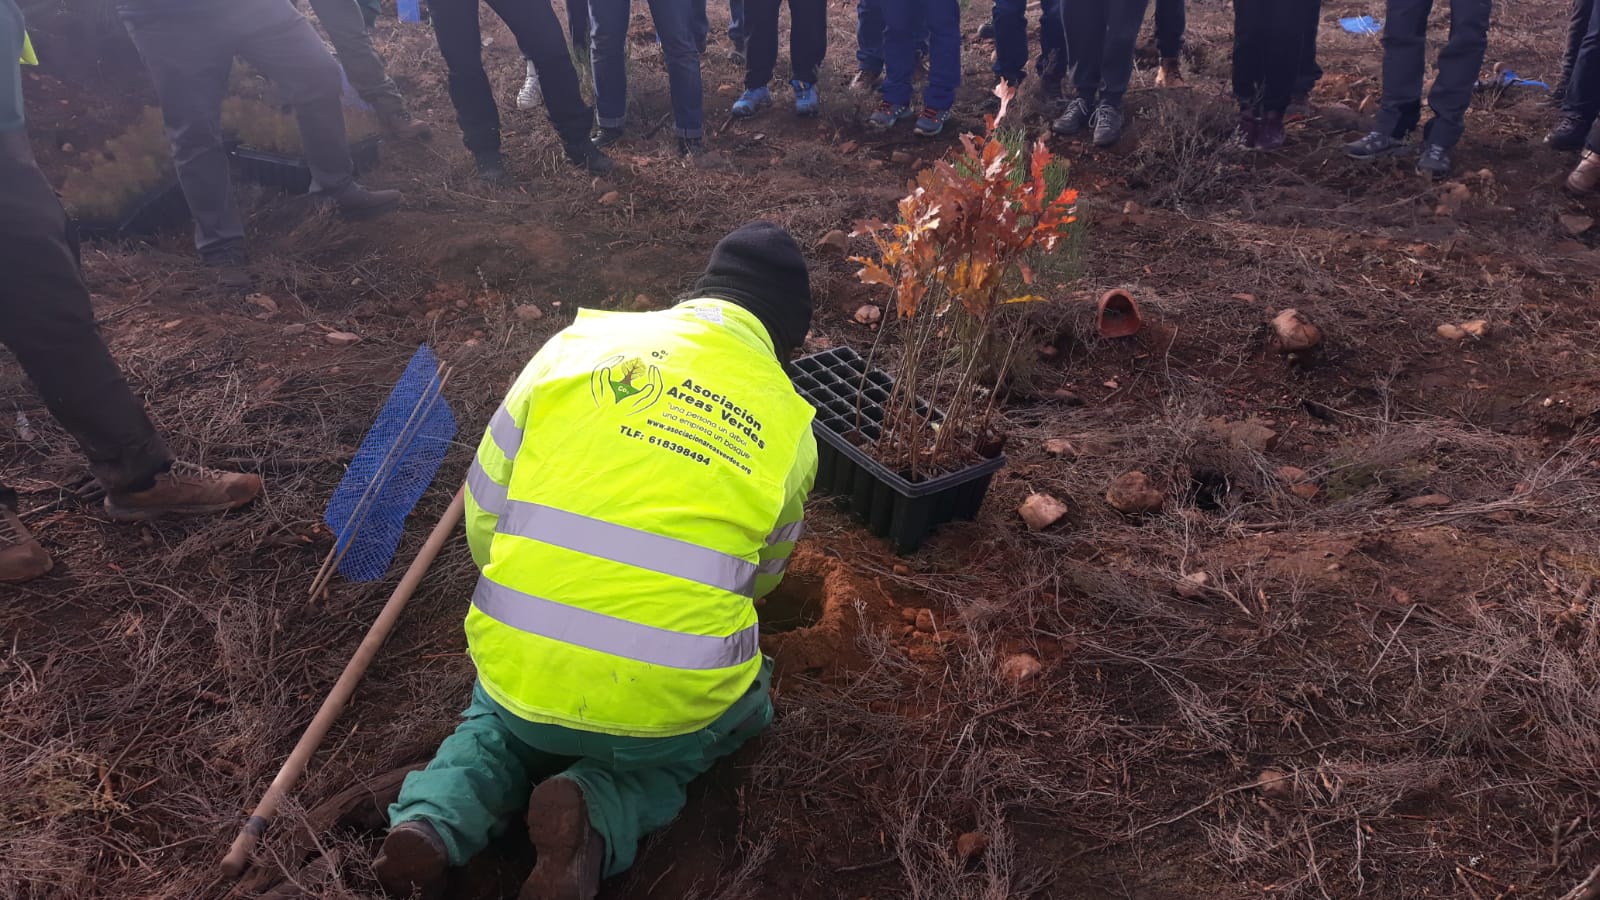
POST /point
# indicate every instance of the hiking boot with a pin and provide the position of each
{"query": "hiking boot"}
(865, 81)
(1299, 108)
(1434, 161)
(528, 97)
(931, 122)
(1374, 145)
(1269, 135)
(584, 154)
(401, 127)
(1169, 73)
(1586, 177)
(356, 202)
(605, 137)
(751, 102)
(569, 852)
(491, 168)
(412, 862)
(1074, 118)
(1568, 134)
(806, 102)
(1108, 122)
(21, 557)
(1249, 128)
(887, 115)
(184, 490)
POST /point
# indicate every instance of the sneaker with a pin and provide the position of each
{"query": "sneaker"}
(184, 490)
(491, 168)
(528, 97)
(806, 103)
(931, 122)
(1434, 161)
(567, 849)
(605, 137)
(751, 102)
(584, 154)
(1586, 177)
(1074, 118)
(1269, 135)
(887, 115)
(412, 862)
(1169, 73)
(1108, 121)
(401, 127)
(1569, 133)
(21, 557)
(1374, 145)
(1299, 108)
(1248, 131)
(865, 81)
(356, 202)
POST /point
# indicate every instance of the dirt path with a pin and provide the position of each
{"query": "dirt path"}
(1372, 695)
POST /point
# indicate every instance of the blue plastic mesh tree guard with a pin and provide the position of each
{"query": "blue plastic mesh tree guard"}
(413, 440)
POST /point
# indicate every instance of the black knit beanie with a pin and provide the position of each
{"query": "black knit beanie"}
(761, 268)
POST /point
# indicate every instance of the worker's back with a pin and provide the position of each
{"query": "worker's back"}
(620, 506)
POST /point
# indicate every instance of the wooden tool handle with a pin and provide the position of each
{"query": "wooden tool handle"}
(238, 858)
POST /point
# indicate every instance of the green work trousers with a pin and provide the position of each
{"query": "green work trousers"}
(480, 779)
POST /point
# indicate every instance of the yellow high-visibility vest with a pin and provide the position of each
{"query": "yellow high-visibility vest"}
(641, 485)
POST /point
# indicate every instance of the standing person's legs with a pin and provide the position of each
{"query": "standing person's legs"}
(899, 49)
(1122, 36)
(1583, 85)
(1250, 38)
(699, 23)
(1085, 24)
(189, 60)
(578, 25)
(286, 49)
(1284, 29)
(1459, 63)
(737, 32)
(1053, 62)
(538, 34)
(761, 51)
(943, 18)
(671, 18)
(455, 26)
(1171, 21)
(1577, 27)
(1308, 72)
(347, 30)
(609, 62)
(1405, 35)
(1010, 18)
(47, 323)
(869, 36)
(808, 38)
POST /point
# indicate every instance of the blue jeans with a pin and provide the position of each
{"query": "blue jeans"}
(674, 21)
(943, 21)
(1011, 40)
(702, 23)
(869, 35)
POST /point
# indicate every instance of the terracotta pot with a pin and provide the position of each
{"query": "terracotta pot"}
(1118, 315)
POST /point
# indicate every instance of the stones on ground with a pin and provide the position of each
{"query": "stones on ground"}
(1131, 208)
(1019, 667)
(908, 614)
(294, 330)
(1060, 447)
(835, 241)
(1040, 511)
(925, 621)
(1062, 395)
(901, 157)
(1133, 494)
(1451, 332)
(1193, 585)
(1298, 481)
(1295, 333)
(609, 198)
(527, 312)
(1478, 328)
(1576, 224)
(342, 338)
(1427, 501)
(1451, 198)
(1275, 784)
(971, 845)
(1250, 434)
(262, 302)
(869, 314)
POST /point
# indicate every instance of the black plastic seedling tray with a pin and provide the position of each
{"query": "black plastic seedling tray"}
(160, 208)
(290, 173)
(849, 399)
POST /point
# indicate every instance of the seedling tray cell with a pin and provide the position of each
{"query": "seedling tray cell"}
(290, 173)
(849, 399)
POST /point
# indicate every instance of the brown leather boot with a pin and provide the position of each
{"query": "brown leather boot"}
(570, 852)
(1586, 177)
(412, 862)
(21, 557)
(356, 202)
(1169, 74)
(402, 127)
(184, 490)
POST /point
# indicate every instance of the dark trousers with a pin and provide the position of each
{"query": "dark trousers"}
(538, 34)
(46, 322)
(1171, 21)
(1010, 20)
(808, 39)
(1100, 38)
(1405, 37)
(1583, 85)
(1577, 27)
(1310, 72)
(869, 36)
(1268, 40)
(578, 23)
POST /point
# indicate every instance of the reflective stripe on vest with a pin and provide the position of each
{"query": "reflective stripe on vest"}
(629, 546)
(490, 495)
(785, 533)
(608, 634)
(507, 436)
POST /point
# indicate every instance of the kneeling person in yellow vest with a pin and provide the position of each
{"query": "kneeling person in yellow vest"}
(642, 485)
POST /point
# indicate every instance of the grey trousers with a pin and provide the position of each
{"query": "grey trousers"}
(1405, 59)
(346, 26)
(189, 56)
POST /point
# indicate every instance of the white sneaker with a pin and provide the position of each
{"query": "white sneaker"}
(528, 97)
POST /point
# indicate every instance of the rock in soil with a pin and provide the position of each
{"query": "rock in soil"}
(1295, 333)
(971, 845)
(1427, 501)
(1478, 328)
(1060, 447)
(1275, 784)
(1451, 332)
(1250, 434)
(869, 314)
(1134, 495)
(835, 241)
(1062, 395)
(1193, 585)
(1041, 511)
(925, 622)
(294, 330)
(908, 614)
(1299, 481)
(1019, 667)
(527, 312)
(342, 338)
(1575, 224)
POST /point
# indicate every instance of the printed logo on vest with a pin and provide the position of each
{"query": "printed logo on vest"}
(626, 383)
